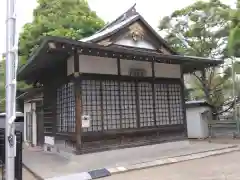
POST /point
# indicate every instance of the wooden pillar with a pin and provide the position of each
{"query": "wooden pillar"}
(153, 92)
(78, 103)
(183, 102)
(119, 89)
(78, 114)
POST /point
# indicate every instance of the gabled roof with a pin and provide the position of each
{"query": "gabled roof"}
(125, 19)
(111, 30)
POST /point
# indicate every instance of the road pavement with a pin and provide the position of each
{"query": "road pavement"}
(223, 167)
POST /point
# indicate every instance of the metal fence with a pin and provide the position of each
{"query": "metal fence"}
(18, 158)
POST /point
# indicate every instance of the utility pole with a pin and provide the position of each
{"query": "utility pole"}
(11, 68)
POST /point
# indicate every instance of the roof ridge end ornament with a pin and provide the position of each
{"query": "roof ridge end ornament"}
(128, 13)
(133, 8)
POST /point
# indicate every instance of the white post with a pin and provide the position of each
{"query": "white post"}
(11, 65)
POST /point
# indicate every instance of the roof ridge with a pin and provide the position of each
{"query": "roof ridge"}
(127, 14)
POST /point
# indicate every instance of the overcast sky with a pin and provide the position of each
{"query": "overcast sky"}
(151, 10)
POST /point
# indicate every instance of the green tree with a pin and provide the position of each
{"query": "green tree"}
(234, 37)
(71, 18)
(202, 29)
(20, 86)
(2, 86)
(68, 18)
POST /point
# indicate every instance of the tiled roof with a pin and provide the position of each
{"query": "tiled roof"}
(109, 30)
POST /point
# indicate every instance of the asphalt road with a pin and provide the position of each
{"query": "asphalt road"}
(223, 167)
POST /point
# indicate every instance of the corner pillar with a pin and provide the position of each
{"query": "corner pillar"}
(78, 103)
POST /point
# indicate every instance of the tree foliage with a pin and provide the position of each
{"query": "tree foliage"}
(71, 18)
(20, 85)
(202, 29)
(234, 37)
(2, 86)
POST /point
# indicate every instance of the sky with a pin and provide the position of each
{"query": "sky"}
(151, 10)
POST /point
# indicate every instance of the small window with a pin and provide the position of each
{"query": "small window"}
(137, 72)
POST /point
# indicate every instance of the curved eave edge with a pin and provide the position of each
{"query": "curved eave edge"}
(182, 59)
(119, 50)
(21, 70)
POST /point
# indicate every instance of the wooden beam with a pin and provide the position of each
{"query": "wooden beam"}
(78, 113)
(76, 60)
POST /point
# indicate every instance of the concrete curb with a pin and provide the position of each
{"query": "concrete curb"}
(99, 173)
(33, 173)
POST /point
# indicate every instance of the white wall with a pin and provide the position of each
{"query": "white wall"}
(100, 65)
(167, 70)
(97, 65)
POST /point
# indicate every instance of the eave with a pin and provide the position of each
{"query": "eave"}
(47, 56)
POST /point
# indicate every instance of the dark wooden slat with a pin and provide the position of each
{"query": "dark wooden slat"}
(101, 100)
(169, 109)
(137, 104)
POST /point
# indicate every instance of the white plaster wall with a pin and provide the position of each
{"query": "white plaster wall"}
(132, 43)
(100, 65)
(97, 65)
(167, 70)
(70, 66)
